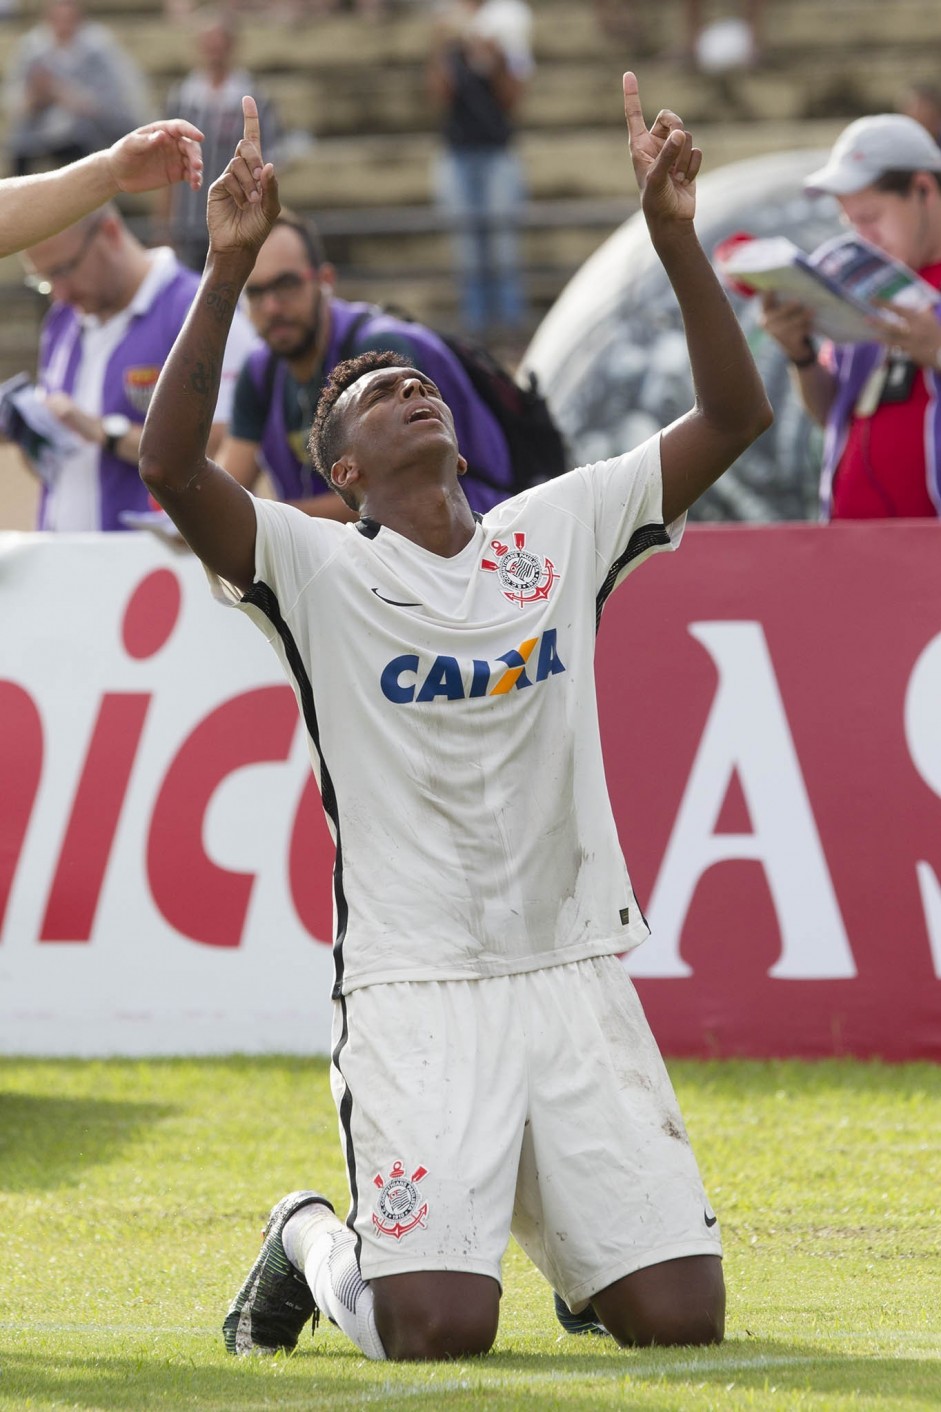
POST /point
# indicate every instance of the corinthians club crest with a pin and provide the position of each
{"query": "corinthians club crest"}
(524, 577)
(399, 1205)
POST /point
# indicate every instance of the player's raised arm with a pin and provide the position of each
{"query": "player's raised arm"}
(731, 407)
(214, 514)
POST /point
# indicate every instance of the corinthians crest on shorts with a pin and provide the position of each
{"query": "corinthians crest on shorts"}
(524, 577)
(399, 1206)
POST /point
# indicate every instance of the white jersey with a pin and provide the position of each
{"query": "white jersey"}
(452, 722)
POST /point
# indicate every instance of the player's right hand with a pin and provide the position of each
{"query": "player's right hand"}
(665, 161)
(243, 204)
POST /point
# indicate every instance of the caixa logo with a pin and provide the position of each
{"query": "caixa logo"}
(407, 678)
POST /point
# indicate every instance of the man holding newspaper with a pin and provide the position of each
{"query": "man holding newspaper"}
(879, 400)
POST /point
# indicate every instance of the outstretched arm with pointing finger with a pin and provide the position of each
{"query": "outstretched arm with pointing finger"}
(213, 512)
(731, 407)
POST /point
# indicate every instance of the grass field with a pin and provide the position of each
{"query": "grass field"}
(132, 1195)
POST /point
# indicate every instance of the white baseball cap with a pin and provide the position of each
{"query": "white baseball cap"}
(870, 147)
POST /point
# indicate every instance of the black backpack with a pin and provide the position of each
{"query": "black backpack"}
(535, 444)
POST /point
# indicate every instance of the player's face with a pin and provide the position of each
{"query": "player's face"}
(902, 226)
(286, 294)
(396, 418)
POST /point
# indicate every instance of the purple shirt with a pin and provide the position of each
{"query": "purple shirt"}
(130, 377)
(259, 411)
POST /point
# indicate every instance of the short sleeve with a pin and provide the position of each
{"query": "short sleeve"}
(627, 503)
(291, 548)
(620, 504)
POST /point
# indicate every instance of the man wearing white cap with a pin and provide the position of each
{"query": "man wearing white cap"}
(879, 402)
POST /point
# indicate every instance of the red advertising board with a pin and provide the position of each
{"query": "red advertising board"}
(774, 760)
(776, 776)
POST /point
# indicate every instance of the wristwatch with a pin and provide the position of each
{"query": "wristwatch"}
(115, 426)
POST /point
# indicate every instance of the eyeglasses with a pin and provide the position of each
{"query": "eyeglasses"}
(282, 286)
(43, 283)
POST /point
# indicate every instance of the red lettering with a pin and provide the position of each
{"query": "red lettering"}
(202, 901)
(21, 751)
(96, 810)
(309, 866)
(151, 614)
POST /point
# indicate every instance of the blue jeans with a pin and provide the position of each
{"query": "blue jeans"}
(482, 190)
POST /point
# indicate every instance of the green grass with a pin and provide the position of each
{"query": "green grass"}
(132, 1195)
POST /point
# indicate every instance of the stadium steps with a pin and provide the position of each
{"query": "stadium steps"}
(358, 86)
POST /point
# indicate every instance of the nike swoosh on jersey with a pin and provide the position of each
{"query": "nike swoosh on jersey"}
(395, 602)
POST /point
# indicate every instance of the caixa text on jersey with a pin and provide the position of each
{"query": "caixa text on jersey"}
(407, 678)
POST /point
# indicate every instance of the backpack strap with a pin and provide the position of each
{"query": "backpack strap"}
(268, 380)
(349, 341)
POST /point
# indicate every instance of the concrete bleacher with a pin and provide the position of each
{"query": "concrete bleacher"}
(358, 87)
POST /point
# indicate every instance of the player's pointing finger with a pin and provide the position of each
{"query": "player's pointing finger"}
(632, 110)
(252, 129)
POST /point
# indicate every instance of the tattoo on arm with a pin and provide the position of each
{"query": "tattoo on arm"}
(202, 383)
(202, 378)
(221, 302)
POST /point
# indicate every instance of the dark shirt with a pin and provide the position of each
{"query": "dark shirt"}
(475, 117)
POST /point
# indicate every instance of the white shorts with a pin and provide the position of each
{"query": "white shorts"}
(536, 1103)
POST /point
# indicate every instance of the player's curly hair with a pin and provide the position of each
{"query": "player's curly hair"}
(328, 432)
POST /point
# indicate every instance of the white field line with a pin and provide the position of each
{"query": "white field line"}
(393, 1391)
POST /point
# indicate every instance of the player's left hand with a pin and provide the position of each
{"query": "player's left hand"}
(158, 154)
(914, 332)
(665, 161)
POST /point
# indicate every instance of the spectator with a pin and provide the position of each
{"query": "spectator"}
(70, 90)
(726, 43)
(118, 308)
(877, 401)
(210, 97)
(307, 330)
(723, 43)
(477, 72)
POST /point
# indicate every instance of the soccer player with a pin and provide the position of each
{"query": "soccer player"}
(33, 208)
(492, 1068)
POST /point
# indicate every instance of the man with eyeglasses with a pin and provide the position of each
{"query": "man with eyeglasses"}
(306, 331)
(32, 208)
(117, 309)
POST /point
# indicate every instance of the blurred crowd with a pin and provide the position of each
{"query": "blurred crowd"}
(72, 89)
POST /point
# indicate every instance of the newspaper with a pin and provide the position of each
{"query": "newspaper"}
(26, 420)
(842, 281)
(157, 521)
